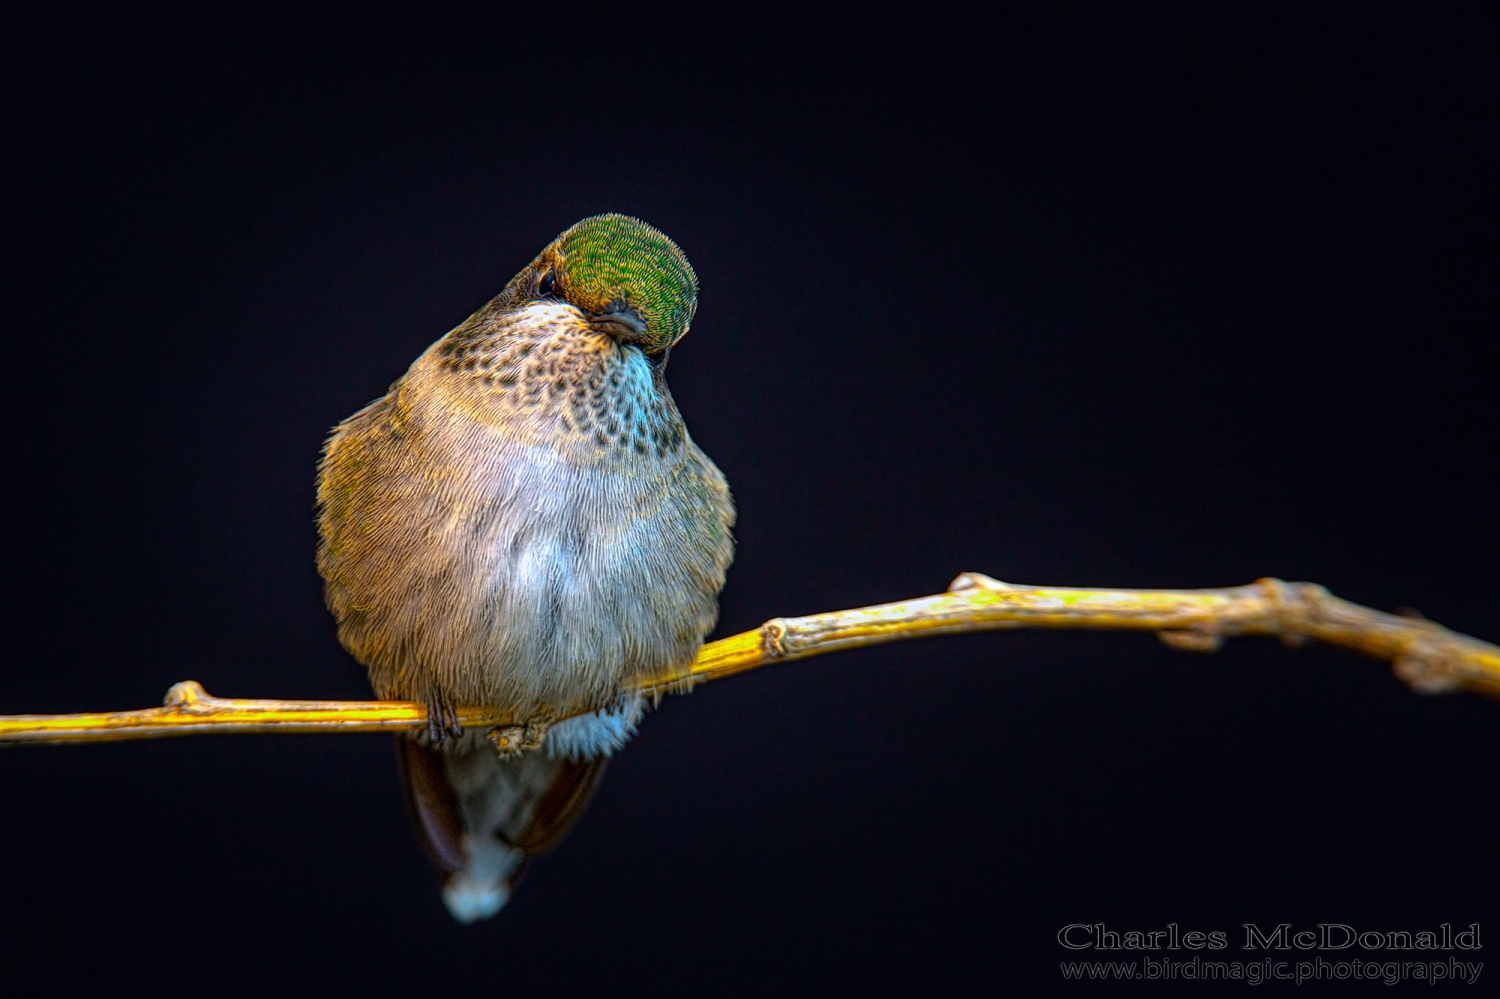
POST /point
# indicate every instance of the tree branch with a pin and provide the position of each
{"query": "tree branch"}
(1429, 657)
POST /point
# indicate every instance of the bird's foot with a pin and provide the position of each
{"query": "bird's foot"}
(442, 719)
(513, 740)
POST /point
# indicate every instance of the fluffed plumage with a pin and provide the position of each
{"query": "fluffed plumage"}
(522, 521)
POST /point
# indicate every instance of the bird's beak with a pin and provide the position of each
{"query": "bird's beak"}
(625, 326)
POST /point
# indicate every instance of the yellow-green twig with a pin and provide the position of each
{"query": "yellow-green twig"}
(1426, 655)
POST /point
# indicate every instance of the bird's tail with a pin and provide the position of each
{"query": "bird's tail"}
(481, 818)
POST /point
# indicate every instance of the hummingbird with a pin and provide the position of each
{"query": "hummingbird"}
(522, 522)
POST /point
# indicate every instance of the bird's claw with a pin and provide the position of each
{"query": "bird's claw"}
(442, 720)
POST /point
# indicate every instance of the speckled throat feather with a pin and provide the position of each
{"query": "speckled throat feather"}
(545, 370)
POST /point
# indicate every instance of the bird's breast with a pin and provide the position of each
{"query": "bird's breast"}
(526, 544)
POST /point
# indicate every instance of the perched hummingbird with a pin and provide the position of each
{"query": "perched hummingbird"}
(523, 522)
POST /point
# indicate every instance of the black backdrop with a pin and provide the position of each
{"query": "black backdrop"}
(1161, 301)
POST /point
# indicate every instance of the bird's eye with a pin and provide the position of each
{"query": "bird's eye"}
(547, 284)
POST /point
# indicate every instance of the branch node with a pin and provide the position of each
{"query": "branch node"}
(1428, 671)
(978, 581)
(187, 697)
(1276, 590)
(1191, 640)
(513, 740)
(1293, 606)
(773, 638)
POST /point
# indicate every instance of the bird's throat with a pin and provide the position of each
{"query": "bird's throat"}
(547, 376)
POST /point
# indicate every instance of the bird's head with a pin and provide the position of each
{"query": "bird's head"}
(627, 279)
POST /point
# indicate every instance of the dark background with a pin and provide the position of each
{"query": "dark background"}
(1163, 301)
